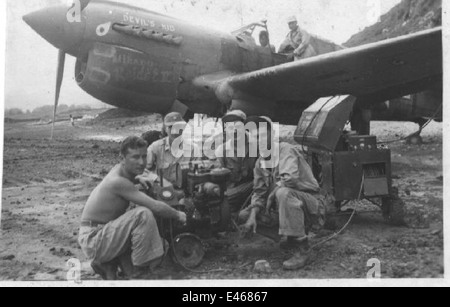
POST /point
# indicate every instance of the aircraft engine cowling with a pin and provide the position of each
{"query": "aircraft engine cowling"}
(128, 78)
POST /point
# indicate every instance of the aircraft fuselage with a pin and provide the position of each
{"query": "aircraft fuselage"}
(138, 59)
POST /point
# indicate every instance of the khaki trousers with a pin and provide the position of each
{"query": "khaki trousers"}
(135, 231)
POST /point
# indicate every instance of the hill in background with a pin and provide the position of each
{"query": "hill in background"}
(408, 17)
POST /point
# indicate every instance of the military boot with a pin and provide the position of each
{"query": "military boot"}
(126, 266)
(107, 271)
(145, 271)
(300, 258)
(299, 261)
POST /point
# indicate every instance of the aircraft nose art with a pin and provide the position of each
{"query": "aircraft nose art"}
(58, 26)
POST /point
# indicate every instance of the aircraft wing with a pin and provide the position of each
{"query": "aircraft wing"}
(384, 70)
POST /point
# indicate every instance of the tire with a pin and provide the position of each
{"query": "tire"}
(188, 251)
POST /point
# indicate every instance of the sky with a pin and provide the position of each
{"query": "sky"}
(31, 61)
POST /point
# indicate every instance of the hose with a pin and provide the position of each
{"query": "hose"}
(345, 226)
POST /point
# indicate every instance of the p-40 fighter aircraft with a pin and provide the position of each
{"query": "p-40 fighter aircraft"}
(138, 59)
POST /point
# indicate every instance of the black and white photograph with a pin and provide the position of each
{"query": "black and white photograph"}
(238, 142)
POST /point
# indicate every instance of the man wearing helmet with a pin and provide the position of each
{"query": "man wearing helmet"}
(298, 42)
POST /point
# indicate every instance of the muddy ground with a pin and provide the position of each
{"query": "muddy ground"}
(46, 183)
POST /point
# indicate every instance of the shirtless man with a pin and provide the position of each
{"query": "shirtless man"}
(109, 235)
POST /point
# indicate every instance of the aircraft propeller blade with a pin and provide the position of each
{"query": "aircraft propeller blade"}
(59, 79)
(84, 4)
(60, 72)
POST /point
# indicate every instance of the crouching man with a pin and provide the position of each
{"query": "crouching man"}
(240, 185)
(109, 235)
(285, 179)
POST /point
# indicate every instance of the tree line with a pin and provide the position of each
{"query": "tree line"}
(44, 110)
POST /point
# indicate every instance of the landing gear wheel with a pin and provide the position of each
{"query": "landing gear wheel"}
(394, 209)
(188, 251)
(414, 140)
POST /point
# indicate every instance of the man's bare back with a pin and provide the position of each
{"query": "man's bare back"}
(114, 194)
(105, 203)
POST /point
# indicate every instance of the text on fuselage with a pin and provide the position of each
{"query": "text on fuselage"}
(144, 22)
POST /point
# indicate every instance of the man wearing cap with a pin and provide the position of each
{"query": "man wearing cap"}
(285, 179)
(238, 162)
(164, 156)
(298, 42)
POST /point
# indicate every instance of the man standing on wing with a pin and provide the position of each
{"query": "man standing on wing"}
(109, 235)
(298, 42)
